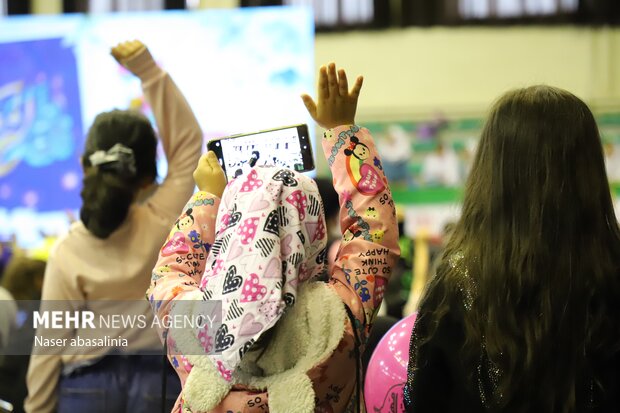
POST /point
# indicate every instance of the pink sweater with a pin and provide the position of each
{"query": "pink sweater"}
(363, 267)
(82, 267)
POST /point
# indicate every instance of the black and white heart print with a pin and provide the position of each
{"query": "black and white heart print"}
(223, 340)
(286, 177)
(265, 245)
(314, 207)
(234, 311)
(234, 217)
(220, 245)
(232, 281)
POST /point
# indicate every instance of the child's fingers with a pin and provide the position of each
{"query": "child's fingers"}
(203, 162)
(343, 84)
(355, 91)
(136, 46)
(211, 158)
(323, 89)
(124, 47)
(332, 80)
(310, 105)
(116, 52)
(121, 50)
(213, 162)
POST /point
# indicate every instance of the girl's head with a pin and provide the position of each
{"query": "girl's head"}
(23, 278)
(536, 252)
(540, 165)
(110, 188)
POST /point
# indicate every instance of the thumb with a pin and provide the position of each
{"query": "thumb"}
(211, 157)
(310, 105)
(212, 160)
(204, 160)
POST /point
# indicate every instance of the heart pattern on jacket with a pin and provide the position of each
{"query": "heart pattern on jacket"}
(286, 177)
(223, 340)
(252, 289)
(232, 281)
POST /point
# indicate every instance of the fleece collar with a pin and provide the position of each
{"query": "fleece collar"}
(304, 337)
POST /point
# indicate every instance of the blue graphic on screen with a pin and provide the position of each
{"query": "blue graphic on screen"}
(241, 70)
(40, 126)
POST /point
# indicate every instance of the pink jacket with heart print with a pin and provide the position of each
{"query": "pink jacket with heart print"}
(359, 276)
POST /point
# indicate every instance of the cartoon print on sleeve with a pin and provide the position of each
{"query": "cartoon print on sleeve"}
(185, 221)
(369, 248)
(360, 228)
(371, 212)
(194, 237)
(199, 199)
(363, 175)
(342, 137)
(176, 244)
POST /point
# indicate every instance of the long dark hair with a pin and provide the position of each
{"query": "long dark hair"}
(536, 255)
(108, 194)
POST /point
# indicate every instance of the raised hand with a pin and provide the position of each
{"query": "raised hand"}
(209, 175)
(336, 104)
(125, 50)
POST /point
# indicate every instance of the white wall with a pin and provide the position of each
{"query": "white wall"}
(414, 72)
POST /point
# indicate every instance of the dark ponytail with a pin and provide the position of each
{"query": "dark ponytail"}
(108, 190)
(106, 200)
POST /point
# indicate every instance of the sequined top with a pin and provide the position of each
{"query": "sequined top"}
(442, 378)
(434, 364)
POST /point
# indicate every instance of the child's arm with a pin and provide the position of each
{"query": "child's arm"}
(182, 259)
(177, 127)
(369, 249)
(45, 367)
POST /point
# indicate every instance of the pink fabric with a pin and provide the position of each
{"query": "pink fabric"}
(362, 268)
(266, 243)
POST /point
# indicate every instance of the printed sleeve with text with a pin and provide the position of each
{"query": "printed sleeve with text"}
(369, 248)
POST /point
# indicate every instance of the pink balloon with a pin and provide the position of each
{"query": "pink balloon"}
(386, 375)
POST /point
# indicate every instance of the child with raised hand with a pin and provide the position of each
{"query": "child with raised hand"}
(110, 252)
(287, 342)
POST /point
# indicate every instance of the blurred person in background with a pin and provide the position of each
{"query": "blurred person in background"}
(442, 167)
(612, 162)
(109, 253)
(23, 277)
(23, 280)
(8, 316)
(395, 149)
